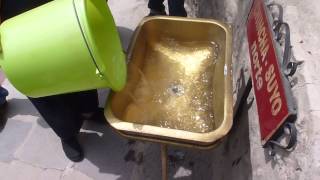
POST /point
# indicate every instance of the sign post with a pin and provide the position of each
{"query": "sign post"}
(269, 83)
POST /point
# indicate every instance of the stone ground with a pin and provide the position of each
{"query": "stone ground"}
(30, 150)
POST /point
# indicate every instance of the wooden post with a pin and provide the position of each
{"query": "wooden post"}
(164, 162)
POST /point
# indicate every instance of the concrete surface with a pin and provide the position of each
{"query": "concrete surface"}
(30, 150)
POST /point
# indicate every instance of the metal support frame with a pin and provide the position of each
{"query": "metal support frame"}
(164, 161)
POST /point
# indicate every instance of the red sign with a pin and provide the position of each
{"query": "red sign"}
(265, 73)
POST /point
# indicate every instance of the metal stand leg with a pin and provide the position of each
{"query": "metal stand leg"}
(164, 161)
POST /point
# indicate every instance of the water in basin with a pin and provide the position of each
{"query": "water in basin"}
(175, 89)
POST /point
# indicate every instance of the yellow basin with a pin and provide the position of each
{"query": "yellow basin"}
(179, 83)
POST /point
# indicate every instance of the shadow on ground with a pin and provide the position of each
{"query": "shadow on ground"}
(109, 153)
(230, 160)
(16, 107)
(105, 152)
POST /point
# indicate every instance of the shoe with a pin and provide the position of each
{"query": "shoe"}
(72, 149)
(157, 13)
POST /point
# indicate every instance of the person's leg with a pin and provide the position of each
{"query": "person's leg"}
(176, 8)
(3, 94)
(65, 121)
(56, 111)
(3, 107)
(87, 105)
(63, 112)
(85, 101)
(156, 7)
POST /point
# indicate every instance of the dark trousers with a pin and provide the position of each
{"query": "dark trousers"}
(10, 8)
(176, 7)
(63, 112)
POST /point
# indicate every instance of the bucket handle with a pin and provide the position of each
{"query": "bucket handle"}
(98, 70)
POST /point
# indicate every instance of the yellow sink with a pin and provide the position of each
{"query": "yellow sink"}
(179, 87)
